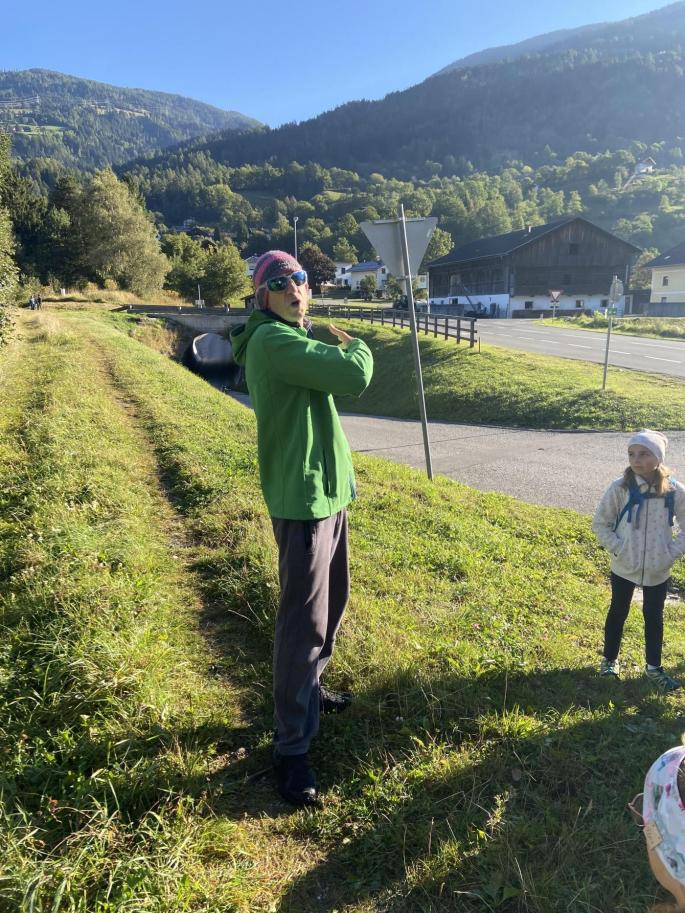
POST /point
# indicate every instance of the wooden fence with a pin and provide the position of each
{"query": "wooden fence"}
(444, 325)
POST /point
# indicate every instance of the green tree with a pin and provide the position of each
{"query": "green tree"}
(439, 245)
(344, 251)
(8, 266)
(320, 268)
(120, 238)
(368, 286)
(642, 276)
(188, 262)
(225, 275)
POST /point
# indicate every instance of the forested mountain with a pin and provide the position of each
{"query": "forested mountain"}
(649, 32)
(535, 45)
(625, 84)
(84, 124)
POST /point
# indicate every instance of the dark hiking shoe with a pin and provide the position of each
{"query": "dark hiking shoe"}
(661, 680)
(333, 701)
(609, 668)
(295, 779)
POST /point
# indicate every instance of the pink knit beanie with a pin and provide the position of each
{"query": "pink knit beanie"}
(271, 264)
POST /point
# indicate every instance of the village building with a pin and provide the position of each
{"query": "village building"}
(250, 263)
(342, 273)
(360, 271)
(667, 297)
(520, 273)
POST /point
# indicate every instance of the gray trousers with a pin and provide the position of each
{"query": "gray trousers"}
(315, 586)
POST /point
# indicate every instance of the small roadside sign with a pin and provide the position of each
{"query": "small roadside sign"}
(555, 294)
(611, 311)
(616, 290)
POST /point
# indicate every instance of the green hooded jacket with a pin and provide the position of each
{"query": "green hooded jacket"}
(305, 463)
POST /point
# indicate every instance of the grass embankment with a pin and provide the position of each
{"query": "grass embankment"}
(502, 386)
(483, 766)
(666, 327)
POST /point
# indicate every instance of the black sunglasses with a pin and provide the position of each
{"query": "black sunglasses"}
(280, 283)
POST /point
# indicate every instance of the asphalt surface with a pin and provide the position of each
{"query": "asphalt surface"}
(551, 468)
(660, 356)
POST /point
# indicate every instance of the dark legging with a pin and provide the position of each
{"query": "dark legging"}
(654, 598)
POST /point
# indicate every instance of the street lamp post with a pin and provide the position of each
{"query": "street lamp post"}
(295, 218)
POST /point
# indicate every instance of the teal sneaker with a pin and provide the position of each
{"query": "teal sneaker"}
(609, 667)
(661, 680)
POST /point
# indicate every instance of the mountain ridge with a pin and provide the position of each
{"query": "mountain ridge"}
(84, 123)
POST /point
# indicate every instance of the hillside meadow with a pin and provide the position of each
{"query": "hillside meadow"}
(494, 385)
(483, 766)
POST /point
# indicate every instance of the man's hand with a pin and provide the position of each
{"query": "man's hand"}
(343, 337)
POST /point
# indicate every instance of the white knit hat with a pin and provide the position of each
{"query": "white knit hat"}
(654, 441)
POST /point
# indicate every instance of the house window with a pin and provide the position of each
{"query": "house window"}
(579, 302)
(664, 280)
(383, 270)
(528, 305)
(574, 249)
(342, 270)
(664, 300)
(604, 303)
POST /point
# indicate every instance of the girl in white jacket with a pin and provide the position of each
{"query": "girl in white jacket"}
(635, 522)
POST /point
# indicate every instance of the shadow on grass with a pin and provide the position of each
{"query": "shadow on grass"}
(473, 795)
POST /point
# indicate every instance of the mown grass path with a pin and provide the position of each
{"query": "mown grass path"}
(482, 767)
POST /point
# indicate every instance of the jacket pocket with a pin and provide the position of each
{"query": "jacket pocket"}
(309, 530)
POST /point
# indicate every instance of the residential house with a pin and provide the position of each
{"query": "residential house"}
(517, 273)
(373, 268)
(668, 283)
(250, 263)
(342, 274)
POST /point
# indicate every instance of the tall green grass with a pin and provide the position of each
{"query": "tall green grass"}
(667, 327)
(483, 766)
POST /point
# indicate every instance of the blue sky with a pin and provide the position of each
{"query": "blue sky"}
(277, 61)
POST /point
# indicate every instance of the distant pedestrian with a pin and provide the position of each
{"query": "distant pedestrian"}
(307, 480)
(635, 522)
(39, 302)
(32, 303)
(660, 812)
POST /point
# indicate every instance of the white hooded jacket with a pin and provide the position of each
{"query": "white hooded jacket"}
(644, 549)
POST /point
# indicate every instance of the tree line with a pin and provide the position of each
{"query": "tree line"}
(122, 229)
(99, 230)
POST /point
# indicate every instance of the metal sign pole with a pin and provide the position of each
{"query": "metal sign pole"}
(415, 339)
(606, 354)
(615, 292)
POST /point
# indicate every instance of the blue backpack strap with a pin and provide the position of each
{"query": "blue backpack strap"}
(635, 499)
(669, 501)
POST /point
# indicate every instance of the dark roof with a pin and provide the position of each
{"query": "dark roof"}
(673, 257)
(501, 245)
(367, 266)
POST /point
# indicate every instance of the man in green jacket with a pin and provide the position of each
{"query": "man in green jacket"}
(307, 480)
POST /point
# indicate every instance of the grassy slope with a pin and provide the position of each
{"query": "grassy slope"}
(508, 387)
(656, 327)
(483, 765)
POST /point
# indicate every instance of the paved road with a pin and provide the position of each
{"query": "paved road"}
(553, 468)
(661, 356)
